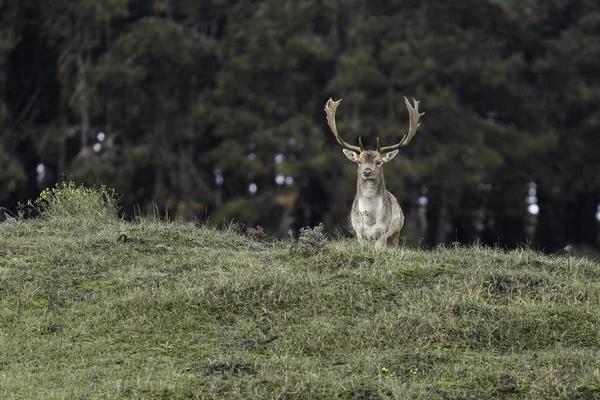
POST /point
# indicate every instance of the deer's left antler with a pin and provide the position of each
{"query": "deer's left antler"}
(414, 115)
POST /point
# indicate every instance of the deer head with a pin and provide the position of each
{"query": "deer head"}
(369, 161)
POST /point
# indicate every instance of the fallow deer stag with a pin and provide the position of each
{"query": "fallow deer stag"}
(376, 214)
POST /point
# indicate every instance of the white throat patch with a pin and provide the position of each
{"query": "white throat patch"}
(370, 206)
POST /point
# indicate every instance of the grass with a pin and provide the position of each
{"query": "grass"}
(95, 307)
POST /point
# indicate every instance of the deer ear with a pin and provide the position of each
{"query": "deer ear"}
(352, 156)
(389, 155)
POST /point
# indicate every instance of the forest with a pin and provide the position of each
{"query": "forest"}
(213, 109)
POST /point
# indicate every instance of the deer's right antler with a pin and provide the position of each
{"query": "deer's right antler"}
(330, 109)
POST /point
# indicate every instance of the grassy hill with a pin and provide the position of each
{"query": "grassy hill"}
(95, 307)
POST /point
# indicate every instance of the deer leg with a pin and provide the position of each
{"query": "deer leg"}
(381, 242)
(393, 240)
(360, 238)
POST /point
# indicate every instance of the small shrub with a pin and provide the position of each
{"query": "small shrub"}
(311, 240)
(69, 201)
(256, 233)
(234, 227)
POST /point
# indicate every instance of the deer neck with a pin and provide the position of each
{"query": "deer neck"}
(370, 188)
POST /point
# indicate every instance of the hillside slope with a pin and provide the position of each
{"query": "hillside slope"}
(95, 307)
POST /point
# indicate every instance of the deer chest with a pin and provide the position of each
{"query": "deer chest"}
(370, 209)
(366, 217)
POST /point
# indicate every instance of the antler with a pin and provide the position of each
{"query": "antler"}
(330, 108)
(413, 113)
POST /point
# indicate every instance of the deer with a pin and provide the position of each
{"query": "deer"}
(376, 214)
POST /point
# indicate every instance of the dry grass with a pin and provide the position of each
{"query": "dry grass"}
(155, 309)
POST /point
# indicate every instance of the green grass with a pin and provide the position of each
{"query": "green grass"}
(102, 308)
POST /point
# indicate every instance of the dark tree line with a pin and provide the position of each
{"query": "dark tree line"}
(215, 107)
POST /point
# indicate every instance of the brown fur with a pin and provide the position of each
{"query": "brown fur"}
(376, 214)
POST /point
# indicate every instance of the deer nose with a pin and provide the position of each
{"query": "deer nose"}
(367, 172)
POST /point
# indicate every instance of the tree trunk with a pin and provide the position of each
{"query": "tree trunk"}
(390, 102)
(336, 37)
(62, 154)
(83, 100)
(441, 232)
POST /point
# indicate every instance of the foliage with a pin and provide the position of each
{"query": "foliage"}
(311, 240)
(68, 201)
(206, 313)
(215, 108)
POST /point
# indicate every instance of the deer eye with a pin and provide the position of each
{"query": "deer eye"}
(378, 163)
(359, 162)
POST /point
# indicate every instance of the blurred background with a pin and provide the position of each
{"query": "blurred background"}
(214, 109)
